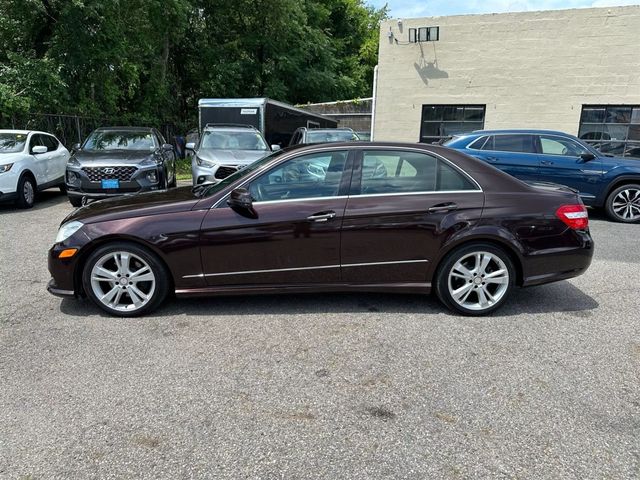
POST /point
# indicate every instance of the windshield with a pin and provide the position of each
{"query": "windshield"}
(322, 136)
(114, 140)
(215, 188)
(229, 140)
(12, 142)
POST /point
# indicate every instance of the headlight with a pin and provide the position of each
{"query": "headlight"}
(150, 161)
(73, 162)
(204, 163)
(67, 230)
(6, 167)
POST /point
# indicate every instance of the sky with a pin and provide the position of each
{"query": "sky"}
(431, 8)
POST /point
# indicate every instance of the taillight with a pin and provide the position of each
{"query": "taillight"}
(575, 216)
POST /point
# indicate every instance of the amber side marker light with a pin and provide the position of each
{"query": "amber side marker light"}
(68, 253)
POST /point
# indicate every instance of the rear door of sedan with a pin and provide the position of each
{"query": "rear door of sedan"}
(403, 205)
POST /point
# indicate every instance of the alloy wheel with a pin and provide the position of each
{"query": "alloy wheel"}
(478, 280)
(626, 204)
(28, 192)
(123, 281)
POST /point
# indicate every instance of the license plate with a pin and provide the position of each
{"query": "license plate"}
(111, 183)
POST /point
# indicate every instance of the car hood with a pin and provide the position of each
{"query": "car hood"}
(11, 157)
(620, 161)
(136, 205)
(113, 157)
(232, 157)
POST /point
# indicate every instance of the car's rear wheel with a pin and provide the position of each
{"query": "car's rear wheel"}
(75, 201)
(125, 280)
(623, 204)
(475, 279)
(26, 192)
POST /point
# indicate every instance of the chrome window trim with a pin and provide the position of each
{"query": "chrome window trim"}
(430, 192)
(319, 267)
(424, 152)
(307, 199)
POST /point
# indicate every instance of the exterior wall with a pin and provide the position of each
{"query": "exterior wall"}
(532, 70)
(354, 114)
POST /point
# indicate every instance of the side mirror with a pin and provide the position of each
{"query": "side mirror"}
(39, 149)
(587, 157)
(275, 148)
(167, 147)
(241, 202)
(76, 147)
(190, 146)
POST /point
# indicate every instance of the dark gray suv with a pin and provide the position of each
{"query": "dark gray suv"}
(119, 160)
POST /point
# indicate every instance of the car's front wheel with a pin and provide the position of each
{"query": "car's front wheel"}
(475, 279)
(623, 204)
(26, 192)
(125, 279)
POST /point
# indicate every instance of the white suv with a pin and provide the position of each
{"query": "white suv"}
(30, 162)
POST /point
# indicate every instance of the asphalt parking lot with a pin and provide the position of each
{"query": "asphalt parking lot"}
(319, 386)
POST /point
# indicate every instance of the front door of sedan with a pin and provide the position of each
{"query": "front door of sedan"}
(402, 206)
(293, 237)
(561, 162)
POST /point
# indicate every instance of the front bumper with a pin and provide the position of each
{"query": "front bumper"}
(202, 174)
(62, 270)
(80, 183)
(8, 185)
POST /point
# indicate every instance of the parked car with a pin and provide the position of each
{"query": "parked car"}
(437, 220)
(549, 156)
(322, 135)
(119, 160)
(30, 162)
(224, 149)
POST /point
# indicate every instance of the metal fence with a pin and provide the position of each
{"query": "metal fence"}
(72, 129)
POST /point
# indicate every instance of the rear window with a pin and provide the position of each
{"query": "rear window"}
(479, 143)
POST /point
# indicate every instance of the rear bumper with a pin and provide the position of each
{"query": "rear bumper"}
(552, 265)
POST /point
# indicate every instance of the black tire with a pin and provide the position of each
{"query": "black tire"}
(26, 184)
(63, 188)
(162, 279)
(174, 181)
(633, 189)
(75, 201)
(463, 253)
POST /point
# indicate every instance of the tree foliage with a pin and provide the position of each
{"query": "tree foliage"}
(150, 60)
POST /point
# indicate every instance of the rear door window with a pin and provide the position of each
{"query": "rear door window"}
(397, 172)
(514, 143)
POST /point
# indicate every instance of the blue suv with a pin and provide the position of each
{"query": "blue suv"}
(548, 156)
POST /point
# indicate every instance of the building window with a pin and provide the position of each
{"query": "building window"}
(441, 122)
(612, 129)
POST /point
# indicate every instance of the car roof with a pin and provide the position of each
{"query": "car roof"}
(25, 132)
(124, 129)
(520, 131)
(229, 126)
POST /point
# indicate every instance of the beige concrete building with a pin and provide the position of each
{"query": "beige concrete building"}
(572, 70)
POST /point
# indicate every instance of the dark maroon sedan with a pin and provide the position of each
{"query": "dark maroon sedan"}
(333, 217)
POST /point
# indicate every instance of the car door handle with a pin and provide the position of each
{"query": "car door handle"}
(442, 207)
(546, 162)
(321, 217)
(493, 159)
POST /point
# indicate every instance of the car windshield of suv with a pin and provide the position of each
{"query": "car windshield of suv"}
(12, 142)
(114, 140)
(229, 140)
(323, 136)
